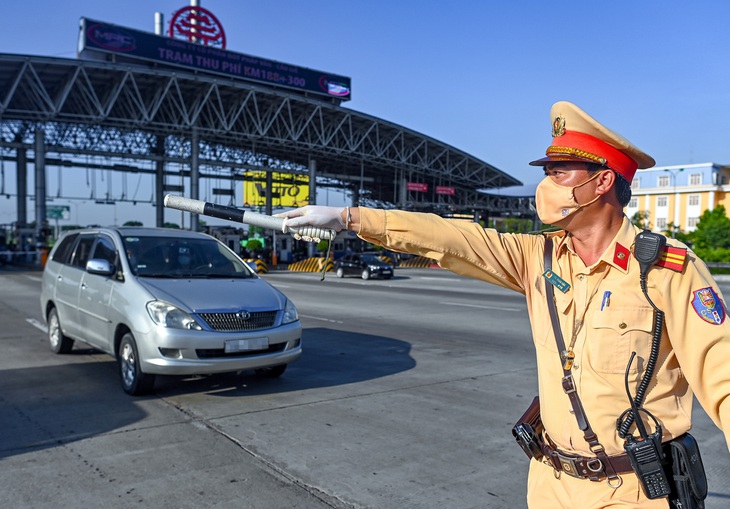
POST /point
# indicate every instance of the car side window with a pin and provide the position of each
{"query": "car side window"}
(63, 252)
(82, 251)
(105, 250)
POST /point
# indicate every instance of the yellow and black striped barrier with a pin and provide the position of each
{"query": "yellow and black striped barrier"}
(418, 262)
(312, 265)
(261, 267)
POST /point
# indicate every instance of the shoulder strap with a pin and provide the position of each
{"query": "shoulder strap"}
(568, 380)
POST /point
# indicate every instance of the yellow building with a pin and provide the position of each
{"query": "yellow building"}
(678, 195)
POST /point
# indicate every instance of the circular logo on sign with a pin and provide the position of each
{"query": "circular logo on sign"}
(199, 25)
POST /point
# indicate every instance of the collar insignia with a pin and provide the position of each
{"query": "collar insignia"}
(621, 256)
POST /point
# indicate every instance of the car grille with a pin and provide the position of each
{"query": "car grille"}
(211, 353)
(230, 322)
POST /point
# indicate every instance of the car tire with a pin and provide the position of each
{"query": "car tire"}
(272, 372)
(134, 381)
(59, 343)
(365, 274)
(340, 272)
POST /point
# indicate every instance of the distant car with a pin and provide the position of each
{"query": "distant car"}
(364, 265)
(165, 302)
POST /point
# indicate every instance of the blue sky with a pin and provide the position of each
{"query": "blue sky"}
(480, 75)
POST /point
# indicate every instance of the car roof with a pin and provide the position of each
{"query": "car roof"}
(138, 231)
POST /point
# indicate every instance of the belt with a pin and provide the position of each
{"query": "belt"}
(584, 467)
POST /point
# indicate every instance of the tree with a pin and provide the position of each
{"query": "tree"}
(713, 230)
(675, 232)
(133, 223)
(514, 225)
(641, 219)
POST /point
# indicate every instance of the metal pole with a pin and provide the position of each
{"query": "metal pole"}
(311, 247)
(40, 183)
(22, 185)
(159, 23)
(194, 176)
(160, 183)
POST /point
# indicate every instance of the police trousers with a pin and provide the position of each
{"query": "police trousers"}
(545, 491)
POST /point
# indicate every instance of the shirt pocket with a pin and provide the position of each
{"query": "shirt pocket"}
(615, 333)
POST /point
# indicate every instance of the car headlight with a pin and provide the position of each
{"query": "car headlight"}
(171, 316)
(374, 267)
(290, 313)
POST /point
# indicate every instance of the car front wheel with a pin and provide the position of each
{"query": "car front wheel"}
(59, 343)
(365, 274)
(134, 382)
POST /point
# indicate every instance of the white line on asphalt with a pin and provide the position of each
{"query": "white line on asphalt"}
(322, 319)
(480, 306)
(35, 323)
(35, 278)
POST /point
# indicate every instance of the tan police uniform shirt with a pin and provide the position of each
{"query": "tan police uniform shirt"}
(695, 346)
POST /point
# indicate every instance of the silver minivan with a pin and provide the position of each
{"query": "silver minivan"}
(165, 302)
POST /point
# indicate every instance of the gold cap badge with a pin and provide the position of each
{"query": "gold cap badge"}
(558, 126)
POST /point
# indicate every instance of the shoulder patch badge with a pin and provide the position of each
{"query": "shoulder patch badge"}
(708, 306)
(673, 258)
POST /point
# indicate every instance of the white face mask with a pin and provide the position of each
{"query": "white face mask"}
(555, 202)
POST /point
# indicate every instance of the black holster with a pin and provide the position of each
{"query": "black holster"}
(528, 431)
(690, 482)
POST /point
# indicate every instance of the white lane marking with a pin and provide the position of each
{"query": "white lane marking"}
(35, 278)
(35, 323)
(480, 306)
(321, 319)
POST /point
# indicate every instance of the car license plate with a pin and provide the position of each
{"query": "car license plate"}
(246, 345)
(387, 272)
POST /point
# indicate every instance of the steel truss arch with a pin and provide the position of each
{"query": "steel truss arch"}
(146, 113)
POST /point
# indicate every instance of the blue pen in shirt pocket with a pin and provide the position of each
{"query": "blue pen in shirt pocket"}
(606, 299)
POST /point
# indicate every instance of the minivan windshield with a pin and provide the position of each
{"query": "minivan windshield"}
(171, 257)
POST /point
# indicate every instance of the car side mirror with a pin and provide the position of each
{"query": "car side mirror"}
(100, 267)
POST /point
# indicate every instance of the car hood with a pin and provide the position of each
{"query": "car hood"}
(196, 295)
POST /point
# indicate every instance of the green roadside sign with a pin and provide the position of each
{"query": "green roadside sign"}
(58, 211)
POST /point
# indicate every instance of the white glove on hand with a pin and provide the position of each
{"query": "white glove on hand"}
(314, 215)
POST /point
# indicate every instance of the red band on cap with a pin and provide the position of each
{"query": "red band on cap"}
(589, 147)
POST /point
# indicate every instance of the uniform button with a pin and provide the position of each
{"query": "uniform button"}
(580, 278)
(622, 325)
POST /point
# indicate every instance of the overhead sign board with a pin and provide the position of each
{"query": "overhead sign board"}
(96, 37)
(58, 211)
(417, 186)
(286, 190)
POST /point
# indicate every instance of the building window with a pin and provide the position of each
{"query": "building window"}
(695, 179)
(661, 201)
(661, 223)
(692, 222)
(663, 181)
(693, 200)
(633, 203)
(636, 183)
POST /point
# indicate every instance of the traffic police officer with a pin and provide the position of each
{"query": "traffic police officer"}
(603, 314)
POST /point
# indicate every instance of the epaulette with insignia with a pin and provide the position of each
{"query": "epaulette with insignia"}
(673, 258)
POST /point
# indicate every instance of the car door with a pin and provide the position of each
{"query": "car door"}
(95, 296)
(353, 265)
(68, 284)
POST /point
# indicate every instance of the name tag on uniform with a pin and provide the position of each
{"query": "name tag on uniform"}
(557, 281)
